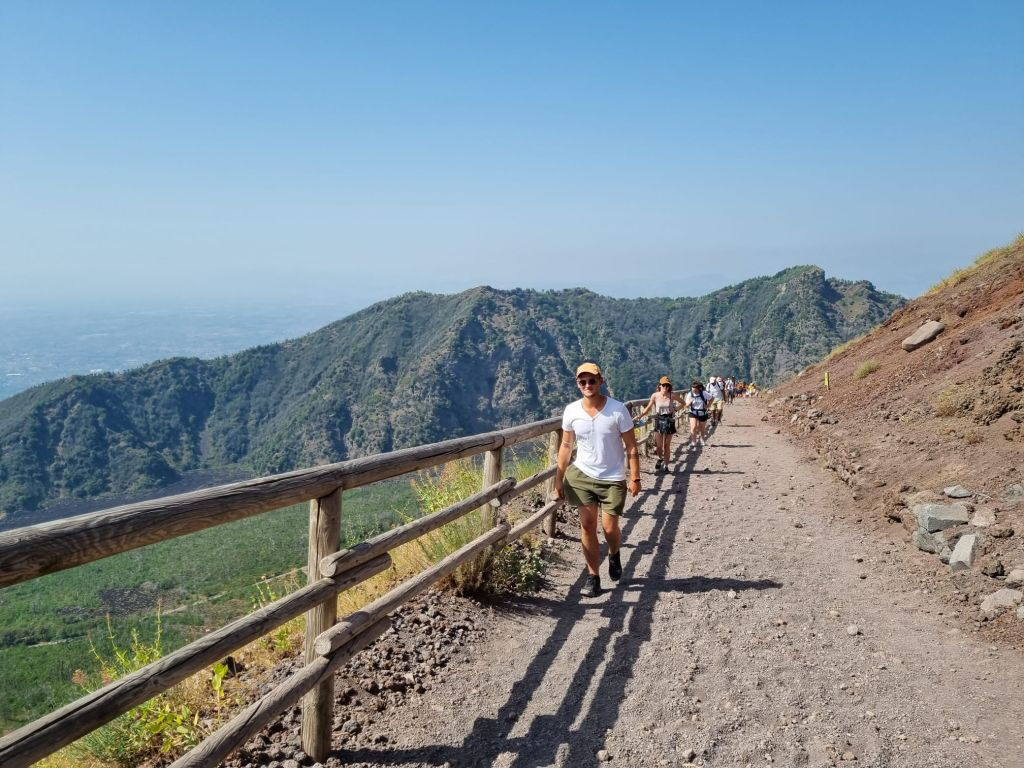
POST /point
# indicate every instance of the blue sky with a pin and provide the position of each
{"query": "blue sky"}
(283, 152)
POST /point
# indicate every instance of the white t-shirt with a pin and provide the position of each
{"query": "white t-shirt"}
(716, 392)
(697, 402)
(600, 453)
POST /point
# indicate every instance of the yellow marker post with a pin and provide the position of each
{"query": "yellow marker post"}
(826, 380)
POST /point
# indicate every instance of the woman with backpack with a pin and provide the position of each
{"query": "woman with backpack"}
(697, 409)
(664, 403)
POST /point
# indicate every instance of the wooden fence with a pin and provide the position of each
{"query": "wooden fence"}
(33, 551)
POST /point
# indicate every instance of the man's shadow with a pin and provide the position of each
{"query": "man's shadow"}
(629, 610)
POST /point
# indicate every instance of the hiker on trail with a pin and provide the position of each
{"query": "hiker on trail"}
(717, 392)
(603, 432)
(697, 409)
(730, 390)
(664, 403)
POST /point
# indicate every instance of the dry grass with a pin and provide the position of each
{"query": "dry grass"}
(865, 369)
(945, 403)
(984, 259)
(845, 346)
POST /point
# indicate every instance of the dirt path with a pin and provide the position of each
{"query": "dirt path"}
(729, 635)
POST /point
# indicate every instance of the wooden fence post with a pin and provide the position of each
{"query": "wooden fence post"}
(318, 704)
(554, 442)
(492, 474)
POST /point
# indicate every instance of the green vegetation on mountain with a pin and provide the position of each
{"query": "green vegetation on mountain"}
(414, 369)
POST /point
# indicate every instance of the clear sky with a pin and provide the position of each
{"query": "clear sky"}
(294, 151)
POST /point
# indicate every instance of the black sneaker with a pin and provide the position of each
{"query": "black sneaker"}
(614, 567)
(657, 465)
(593, 586)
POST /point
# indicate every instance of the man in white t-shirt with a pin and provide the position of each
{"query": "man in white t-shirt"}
(603, 432)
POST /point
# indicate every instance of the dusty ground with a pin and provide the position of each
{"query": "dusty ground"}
(753, 625)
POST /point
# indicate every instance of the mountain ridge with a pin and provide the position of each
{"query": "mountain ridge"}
(412, 369)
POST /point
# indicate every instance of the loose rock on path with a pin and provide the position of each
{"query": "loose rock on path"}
(752, 626)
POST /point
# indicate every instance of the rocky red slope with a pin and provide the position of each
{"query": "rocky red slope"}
(900, 427)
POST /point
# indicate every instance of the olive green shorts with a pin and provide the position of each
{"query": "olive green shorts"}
(584, 491)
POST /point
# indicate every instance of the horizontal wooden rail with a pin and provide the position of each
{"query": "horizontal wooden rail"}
(353, 624)
(33, 551)
(365, 550)
(523, 486)
(233, 734)
(26, 553)
(34, 741)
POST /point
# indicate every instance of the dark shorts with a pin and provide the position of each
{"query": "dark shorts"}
(699, 417)
(584, 491)
(665, 424)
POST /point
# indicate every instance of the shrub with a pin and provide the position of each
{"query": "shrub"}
(517, 568)
(166, 724)
(510, 569)
(865, 369)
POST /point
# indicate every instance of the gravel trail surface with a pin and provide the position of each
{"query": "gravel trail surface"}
(752, 626)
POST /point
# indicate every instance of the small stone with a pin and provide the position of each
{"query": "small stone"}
(983, 518)
(945, 554)
(291, 763)
(957, 492)
(849, 757)
(734, 594)
(1000, 531)
(936, 517)
(992, 566)
(963, 553)
(689, 755)
(928, 542)
(853, 630)
(1013, 493)
(999, 601)
(1016, 576)
(603, 756)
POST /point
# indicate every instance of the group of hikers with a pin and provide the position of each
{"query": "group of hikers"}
(704, 405)
(601, 429)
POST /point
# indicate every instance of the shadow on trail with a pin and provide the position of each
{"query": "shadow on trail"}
(594, 693)
(695, 584)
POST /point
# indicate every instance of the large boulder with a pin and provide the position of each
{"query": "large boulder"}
(923, 335)
(936, 517)
(963, 553)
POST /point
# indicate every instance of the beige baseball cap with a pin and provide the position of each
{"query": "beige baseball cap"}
(593, 368)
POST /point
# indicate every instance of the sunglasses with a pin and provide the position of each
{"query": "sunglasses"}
(587, 382)
(666, 385)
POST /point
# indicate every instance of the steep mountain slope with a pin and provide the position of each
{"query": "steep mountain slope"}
(413, 369)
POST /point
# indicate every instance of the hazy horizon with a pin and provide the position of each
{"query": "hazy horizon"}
(183, 153)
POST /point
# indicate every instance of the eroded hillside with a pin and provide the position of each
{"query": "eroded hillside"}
(901, 427)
